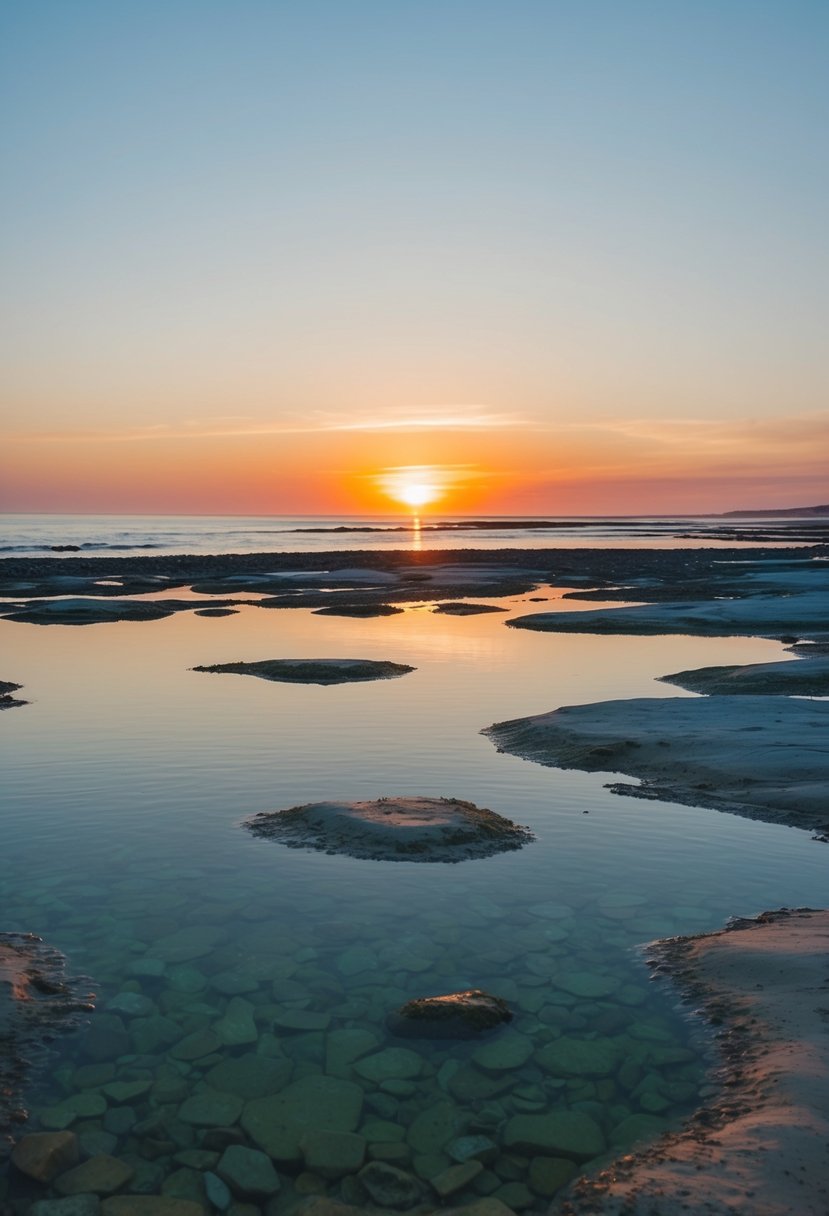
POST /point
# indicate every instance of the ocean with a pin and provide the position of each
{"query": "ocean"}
(122, 535)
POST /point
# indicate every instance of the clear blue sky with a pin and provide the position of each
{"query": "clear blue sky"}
(263, 217)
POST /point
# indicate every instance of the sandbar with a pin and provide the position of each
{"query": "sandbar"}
(760, 1146)
(809, 678)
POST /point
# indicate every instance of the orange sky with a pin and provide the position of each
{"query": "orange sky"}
(480, 463)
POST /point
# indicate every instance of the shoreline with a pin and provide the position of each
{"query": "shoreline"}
(760, 1145)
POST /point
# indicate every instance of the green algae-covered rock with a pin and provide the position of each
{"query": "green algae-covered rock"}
(250, 1075)
(570, 1057)
(320, 1103)
(432, 1128)
(248, 1172)
(333, 1154)
(549, 1174)
(392, 1062)
(101, 1175)
(509, 1050)
(210, 1108)
(571, 1133)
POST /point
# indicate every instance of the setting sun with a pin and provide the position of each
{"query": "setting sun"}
(414, 485)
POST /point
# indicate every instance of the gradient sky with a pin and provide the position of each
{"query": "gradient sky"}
(572, 254)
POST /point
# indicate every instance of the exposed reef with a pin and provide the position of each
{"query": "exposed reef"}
(36, 1002)
(455, 1015)
(751, 756)
(314, 671)
(7, 700)
(393, 829)
(759, 1146)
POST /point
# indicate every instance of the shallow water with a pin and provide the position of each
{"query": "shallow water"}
(126, 779)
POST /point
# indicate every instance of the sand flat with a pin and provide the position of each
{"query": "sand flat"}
(762, 1147)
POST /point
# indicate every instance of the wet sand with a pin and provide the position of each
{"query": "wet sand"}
(760, 1147)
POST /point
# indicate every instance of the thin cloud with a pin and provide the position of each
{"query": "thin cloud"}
(229, 426)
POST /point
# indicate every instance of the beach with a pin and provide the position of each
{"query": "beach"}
(246, 988)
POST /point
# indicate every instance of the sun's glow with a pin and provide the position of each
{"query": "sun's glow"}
(415, 486)
(417, 494)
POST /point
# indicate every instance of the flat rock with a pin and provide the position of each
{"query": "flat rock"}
(397, 1062)
(756, 756)
(572, 1134)
(453, 1015)
(89, 611)
(100, 1175)
(571, 1057)
(314, 671)
(211, 1108)
(44, 1155)
(250, 1075)
(7, 701)
(799, 678)
(70, 1205)
(393, 829)
(248, 1172)
(150, 1205)
(279, 1123)
(504, 1052)
(333, 1154)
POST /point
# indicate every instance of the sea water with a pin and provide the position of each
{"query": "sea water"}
(126, 781)
(136, 535)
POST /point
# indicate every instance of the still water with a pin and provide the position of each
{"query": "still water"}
(126, 779)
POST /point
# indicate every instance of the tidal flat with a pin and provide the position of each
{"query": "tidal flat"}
(239, 1056)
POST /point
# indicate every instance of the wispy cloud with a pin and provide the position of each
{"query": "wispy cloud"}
(431, 418)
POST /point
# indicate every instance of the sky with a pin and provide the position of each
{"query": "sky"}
(530, 257)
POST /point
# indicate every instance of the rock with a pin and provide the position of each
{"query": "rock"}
(587, 984)
(456, 1178)
(83, 1105)
(126, 1091)
(150, 1205)
(634, 1128)
(569, 1057)
(549, 1174)
(237, 1028)
(469, 1084)
(217, 1192)
(462, 608)
(211, 1108)
(393, 1062)
(343, 1047)
(489, 1206)
(455, 1015)
(302, 1020)
(248, 1172)
(44, 1155)
(430, 1130)
(250, 1075)
(314, 671)
(569, 1133)
(314, 1103)
(131, 1005)
(106, 1038)
(515, 1196)
(189, 942)
(333, 1154)
(71, 1205)
(509, 1050)
(194, 1046)
(393, 829)
(101, 1175)
(472, 1148)
(321, 1205)
(389, 1186)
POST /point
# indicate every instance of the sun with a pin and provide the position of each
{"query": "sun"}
(417, 494)
(415, 486)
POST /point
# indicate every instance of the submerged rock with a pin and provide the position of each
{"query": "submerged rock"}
(393, 829)
(456, 1015)
(314, 671)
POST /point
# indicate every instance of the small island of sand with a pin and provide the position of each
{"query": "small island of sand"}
(313, 671)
